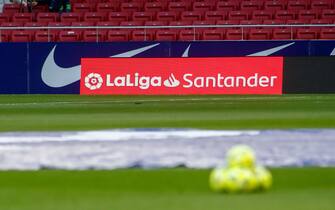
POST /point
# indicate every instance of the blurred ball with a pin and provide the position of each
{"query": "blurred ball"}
(232, 180)
(241, 156)
(252, 183)
(217, 179)
(264, 177)
(240, 180)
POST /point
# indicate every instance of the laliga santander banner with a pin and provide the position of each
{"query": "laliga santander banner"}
(181, 76)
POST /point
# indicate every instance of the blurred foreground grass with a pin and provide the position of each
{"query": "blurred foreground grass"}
(166, 189)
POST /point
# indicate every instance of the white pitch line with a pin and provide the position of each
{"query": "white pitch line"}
(152, 100)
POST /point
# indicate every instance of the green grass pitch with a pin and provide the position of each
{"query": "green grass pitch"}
(165, 189)
(74, 112)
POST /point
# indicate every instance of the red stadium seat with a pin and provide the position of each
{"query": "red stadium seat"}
(118, 16)
(238, 15)
(35, 24)
(166, 35)
(47, 17)
(94, 16)
(11, 8)
(307, 33)
(4, 37)
(40, 8)
(235, 34)
(143, 16)
(155, 6)
(140, 1)
(118, 35)
(321, 4)
(284, 34)
(142, 35)
(131, 23)
(22, 36)
(327, 33)
(213, 34)
(155, 23)
(228, 22)
(297, 5)
(189, 35)
(58, 24)
(5, 17)
(95, 1)
(262, 15)
(297, 22)
(82, 24)
(251, 22)
(192, 16)
(180, 23)
(23, 17)
(45, 36)
(107, 7)
(82, 7)
(328, 14)
(227, 6)
(6, 34)
(70, 17)
(12, 24)
(215, 15)
(203, 6)
(131, 6)
(274, 5)
(274, 22)
(107, 23)
(251, 5)
(93, 36)
(285, 15)
(308, 14)
(167, 16)
(321, 21)
(203, 23)
(259, 34)
(69, 36)
(178, 6)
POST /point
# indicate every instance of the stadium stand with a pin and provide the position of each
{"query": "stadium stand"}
(252, 14)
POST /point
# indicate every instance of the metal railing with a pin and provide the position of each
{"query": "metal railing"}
(194, 27)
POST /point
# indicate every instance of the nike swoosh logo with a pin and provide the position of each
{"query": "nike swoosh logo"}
(271, 51)
(56, 76)
(185, 54)
(332, 52)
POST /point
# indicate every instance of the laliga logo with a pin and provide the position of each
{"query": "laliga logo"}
(142, 82)
(93, 81)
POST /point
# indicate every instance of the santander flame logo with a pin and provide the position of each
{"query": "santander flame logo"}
(171, 82)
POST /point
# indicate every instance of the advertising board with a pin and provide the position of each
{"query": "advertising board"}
(181, 76)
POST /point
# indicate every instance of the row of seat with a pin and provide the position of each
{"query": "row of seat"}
(206, 6)
(169, 16)
(191, 6)
(263, 1)
(165, 35)
(162, 24)
(215, 1)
